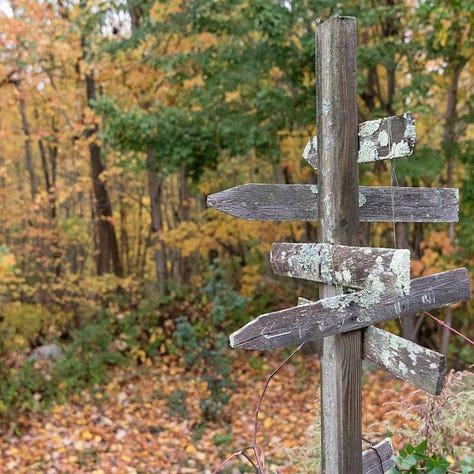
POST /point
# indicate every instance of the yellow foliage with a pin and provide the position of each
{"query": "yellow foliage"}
(205, 40)
(233, 96)
(160, 11)
(196, 81)
(250, 280)
(276, 73)
(23, 322)
(7, 262)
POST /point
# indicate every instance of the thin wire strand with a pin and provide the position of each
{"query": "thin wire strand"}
(393, 179)
(455, 331)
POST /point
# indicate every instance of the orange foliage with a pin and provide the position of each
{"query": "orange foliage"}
(437, 252)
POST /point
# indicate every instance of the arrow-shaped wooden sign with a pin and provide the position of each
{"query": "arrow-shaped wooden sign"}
(382, 139)
(422, 367)
(299, 202)
(351, 311)
(406, 360)
(341, 265)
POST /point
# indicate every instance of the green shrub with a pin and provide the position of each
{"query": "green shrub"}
(415, 459)
(176, 403)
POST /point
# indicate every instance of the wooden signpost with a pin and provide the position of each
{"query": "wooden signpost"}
(377, 282)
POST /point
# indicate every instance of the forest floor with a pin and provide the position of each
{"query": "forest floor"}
(149, 420)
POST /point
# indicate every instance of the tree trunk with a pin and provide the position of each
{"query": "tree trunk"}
(108, 256)
(155, 189)
(184, 262)
(449, 140)
(28, 151)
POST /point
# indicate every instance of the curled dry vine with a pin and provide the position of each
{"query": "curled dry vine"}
(257, 464)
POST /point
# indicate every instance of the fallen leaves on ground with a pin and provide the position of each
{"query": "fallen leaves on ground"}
(127, 426)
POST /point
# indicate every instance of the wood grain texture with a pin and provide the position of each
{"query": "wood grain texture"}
(416, 365)
(299, 202)
(342, 265)
(386, 138)
(347, 312)
(378, 458)
(338, 185)
(421, 367)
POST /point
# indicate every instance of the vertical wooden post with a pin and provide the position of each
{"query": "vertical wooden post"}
(337, 127)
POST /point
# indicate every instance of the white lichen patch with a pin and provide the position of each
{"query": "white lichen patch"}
(383, 138)
(311, 148)
(362, 199)
(326, 266)
(375, 287)
(367, 129)
(314, 189)
(399, 149)
(367, 151)
(400, 266)
(402, 368)
(326, 107)
(339, 302)
(410, 129)
(364, 317)
(368, 297)
(413, 357)
(346, 276)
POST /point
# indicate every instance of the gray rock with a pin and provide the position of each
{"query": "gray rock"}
(47, 351)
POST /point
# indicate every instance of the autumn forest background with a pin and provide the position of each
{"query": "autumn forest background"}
(118, 118)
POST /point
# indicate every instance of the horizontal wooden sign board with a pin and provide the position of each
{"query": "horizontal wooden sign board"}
(351, 311)
(382, 139)
(378, 459)
(299, 202)
(341, 265)
(421, 367)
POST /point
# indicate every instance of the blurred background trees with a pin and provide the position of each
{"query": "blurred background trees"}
(119, 117)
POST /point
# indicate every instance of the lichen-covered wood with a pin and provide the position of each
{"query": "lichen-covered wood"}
(299, 202)
(414, 364)
(378, 458)
(381, 139)
(347, 312)
(421, 367)
(355, 267)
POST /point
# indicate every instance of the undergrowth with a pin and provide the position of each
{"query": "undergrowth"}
(192, 330)
(442, 443)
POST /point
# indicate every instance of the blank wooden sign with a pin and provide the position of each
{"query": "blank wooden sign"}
(422, 367)
(341, 265)
(381, 139)
(299, 202)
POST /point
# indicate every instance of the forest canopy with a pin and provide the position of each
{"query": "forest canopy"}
(118, 118)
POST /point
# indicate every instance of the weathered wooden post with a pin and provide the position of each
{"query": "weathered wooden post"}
(338, 204)
(380, 276)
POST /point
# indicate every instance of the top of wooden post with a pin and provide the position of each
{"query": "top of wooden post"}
(337, 127)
